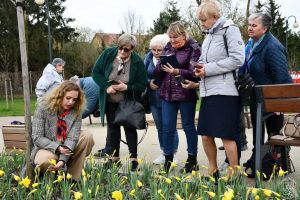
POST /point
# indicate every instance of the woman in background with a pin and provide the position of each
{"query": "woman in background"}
(157, 43)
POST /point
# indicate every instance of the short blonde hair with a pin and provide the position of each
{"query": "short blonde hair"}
(209, 8)
(177, 28)
(54, 99)
(127, 39)
(159, 40)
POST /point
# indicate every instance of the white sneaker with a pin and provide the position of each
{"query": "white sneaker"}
(160, 160)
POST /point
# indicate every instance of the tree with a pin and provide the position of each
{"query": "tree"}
(166, 17)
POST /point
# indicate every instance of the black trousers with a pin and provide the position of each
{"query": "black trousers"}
(114, 133)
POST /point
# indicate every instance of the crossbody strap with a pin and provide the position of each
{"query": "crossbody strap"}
(227, 52)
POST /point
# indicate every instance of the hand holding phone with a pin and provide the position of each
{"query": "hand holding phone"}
(196, 65)
(180, 79)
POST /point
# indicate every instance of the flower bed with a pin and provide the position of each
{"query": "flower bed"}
(99, 183)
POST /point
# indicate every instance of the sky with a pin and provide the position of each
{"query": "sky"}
(108, 15)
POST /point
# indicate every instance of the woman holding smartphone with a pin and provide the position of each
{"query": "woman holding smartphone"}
(175, 97)
(56, 131)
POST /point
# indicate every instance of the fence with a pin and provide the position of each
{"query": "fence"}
(12, 83)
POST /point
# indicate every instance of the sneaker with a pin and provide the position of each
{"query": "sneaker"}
(159, 160)
(244, 147)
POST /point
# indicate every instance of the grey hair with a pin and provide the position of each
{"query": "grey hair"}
(177, 28)
(127, 39)
(57, 61)
(74, 79)
(266, 19)
(159, 40)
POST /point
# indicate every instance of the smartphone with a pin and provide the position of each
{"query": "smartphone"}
(66, 147)
(179, 79)
(113, 82)
(156, 82)
(195, 64)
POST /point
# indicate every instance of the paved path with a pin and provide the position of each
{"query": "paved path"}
(149, 148)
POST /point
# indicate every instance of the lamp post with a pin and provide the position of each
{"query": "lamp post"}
(40, 2)
(295, 25)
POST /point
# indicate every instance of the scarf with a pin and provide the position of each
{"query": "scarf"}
(61, 126)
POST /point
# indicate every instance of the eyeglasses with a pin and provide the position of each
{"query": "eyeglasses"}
(157, 50)
(126, 50)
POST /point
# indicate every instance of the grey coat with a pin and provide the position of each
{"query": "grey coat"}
(44, 131)
(218, 66)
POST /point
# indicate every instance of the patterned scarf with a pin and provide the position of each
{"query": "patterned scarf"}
(61, 126)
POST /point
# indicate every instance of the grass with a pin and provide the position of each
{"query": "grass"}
(17, 108)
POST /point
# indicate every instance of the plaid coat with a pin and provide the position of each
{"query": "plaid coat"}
(44, 131)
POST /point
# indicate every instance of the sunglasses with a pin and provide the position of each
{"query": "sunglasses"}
(126, 50)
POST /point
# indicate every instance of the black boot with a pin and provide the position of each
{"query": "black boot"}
(191, 164)
(169, 160)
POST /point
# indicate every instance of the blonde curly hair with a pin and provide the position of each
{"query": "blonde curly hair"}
(54, 99)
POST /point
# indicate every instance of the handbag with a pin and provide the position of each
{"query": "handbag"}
(245, 87)
(145, 101)
(291, 126)
(130, 113)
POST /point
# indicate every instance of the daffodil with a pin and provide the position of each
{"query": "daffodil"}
(177, 178)
(35, 185)
(224, 178)
(281, 172)
(132, 193)
(204, 167)
(92, 160)
(211, 194)
(267, 192)
(69, 176)
(204, 186)
(139, 183)
(238, 167)
(89, 191)
(17, 178)
(178, 197)
(83, 172)
(59, 179)
(169, 181)
(52, 162)
(193, 173)
(160, 194)
(77, 195)
(117, 195)
(276, 194)
(140, 161)
(25, 182)
(256, 197)
(228, 194)
(254, 191)
(1, 173)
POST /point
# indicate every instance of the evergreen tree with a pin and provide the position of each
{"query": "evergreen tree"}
(166, 17)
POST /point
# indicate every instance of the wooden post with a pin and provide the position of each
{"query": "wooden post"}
(11, 93)
(23, 51)
(6, 94)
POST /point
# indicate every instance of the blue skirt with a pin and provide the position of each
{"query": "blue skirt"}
(219, 116)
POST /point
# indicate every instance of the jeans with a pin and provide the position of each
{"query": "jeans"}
(114, 133)
(169, 115)
(158, 120)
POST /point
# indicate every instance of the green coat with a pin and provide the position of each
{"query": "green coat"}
(137, 78)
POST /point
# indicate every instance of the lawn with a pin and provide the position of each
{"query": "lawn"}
(98, 182)
(17, 108)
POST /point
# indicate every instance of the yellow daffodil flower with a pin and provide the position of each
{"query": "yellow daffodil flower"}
(204, 167)
(257, 197)
(267, 192)
(224, 178)
(52, 162)
(211, 194)
(276, 194)
(140, 161)
(89, 191)
(193, 173)
(117, 195)
(228, 194)
(17, 178)
(281, 172)
(1, 172)
(69, 176)
(132, 193)
(35, 185)
(139, 183)
(77, 195)
(177, 178)
(238, 167)
(25, 182)
(59, 179)
(254, 191)
(204, 186)
(178, 197)
(169, 181)
(83, 172)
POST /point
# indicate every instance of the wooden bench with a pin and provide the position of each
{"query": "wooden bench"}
(14, 136)
(274, 98)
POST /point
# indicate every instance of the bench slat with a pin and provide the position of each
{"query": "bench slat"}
(282, 105)
(14, 137)
(280, 91)
(295, 142)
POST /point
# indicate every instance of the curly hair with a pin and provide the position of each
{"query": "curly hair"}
(54, 99)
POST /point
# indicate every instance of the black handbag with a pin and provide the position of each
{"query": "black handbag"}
(245, 87)
(130, 113)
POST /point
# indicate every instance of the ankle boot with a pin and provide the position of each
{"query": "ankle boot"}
(168, 161)
(190, 164)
